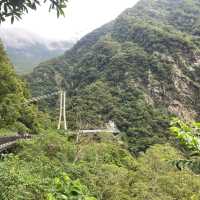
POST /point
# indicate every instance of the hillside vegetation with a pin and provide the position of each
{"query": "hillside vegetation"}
(52, 167)
(137, 70)
(14, 114)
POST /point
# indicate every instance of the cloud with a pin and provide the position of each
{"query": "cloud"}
(18, 38)
(15, 37)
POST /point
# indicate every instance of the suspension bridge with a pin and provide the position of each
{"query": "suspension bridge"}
(8, 142)
(62, 123)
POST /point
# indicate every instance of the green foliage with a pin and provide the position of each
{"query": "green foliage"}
(7, 132)
(20, 128)
(15, 9)
(157, 179)
(128, 71)
(186, 133)
(52, 166)
(132, 71)
(21, 183)
(188, 136)
(9, 110)
(38, 172)
(64, 188)
(13, 91)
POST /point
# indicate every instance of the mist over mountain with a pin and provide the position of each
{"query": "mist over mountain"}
(26, 50)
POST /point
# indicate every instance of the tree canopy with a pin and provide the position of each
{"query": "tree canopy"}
(14, 9)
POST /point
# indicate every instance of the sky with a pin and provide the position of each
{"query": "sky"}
(82, 16)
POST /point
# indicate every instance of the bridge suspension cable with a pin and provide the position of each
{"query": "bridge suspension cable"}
(62, 112)
(35, 99)
(62, 115)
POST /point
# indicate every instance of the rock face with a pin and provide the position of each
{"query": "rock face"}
(140, 68)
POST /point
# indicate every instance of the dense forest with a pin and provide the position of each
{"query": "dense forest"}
(140, 71)
(14, 114)
(137, 70)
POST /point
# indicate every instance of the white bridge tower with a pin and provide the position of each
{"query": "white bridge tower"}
(62, 115)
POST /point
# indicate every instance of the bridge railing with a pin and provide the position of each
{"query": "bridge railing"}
(7, 139)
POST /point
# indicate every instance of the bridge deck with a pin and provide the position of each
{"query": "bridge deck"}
(99, 131)
(8, 145)
(9, 141)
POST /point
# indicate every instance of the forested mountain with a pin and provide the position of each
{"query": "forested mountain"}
(136, 70)
(26, 50)
(14, 114)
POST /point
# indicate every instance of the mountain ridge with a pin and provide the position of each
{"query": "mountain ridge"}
(137, 70)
